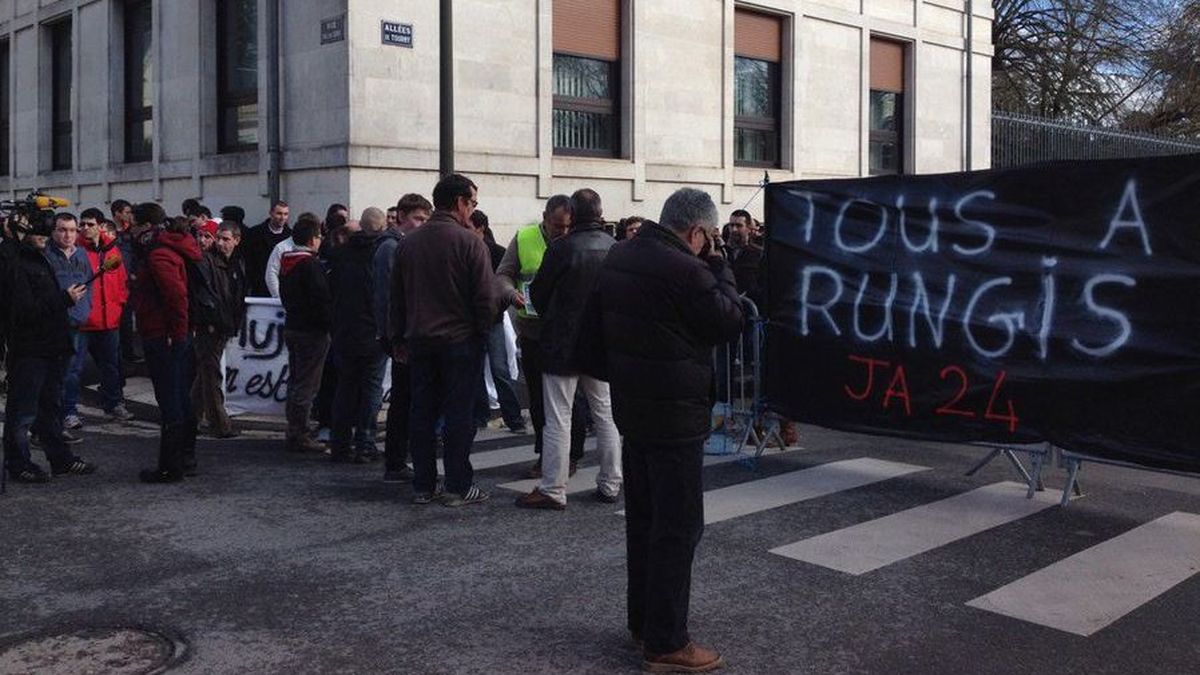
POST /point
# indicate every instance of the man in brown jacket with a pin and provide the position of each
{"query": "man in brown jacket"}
(442, 309)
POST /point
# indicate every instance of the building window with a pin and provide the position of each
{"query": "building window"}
(5, 102)
(237, 75)
(61, 124)
(758, 48)
(887, 107)
(139, 82)
(587, 80)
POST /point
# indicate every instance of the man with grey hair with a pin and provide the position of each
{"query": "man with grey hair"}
(359, 358)
(669, 288)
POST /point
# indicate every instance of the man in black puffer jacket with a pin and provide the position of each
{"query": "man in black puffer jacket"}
(561, 289)
(39, 349)
(359, 357)
(666, 300)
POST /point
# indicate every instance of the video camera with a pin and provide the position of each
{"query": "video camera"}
(25, 215)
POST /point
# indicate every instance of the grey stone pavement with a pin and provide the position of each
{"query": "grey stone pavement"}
(272, 563)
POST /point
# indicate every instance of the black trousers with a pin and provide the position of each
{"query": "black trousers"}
(664, 519)
(395, 447)
(531, 366)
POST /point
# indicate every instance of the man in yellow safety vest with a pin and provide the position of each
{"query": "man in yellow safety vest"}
(521, 262)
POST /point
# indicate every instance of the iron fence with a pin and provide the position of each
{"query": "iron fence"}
(1023, 139)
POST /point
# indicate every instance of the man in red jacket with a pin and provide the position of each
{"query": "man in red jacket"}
(100, 334)
(161, 305)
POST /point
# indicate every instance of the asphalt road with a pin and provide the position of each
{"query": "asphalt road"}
(269, 563)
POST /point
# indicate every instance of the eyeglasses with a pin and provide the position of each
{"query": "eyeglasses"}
(474, 202)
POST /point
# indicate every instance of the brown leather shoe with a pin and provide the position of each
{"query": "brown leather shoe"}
(537, 500)
(691, 659)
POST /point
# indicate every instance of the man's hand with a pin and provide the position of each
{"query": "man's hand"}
(518, 299)
(400, 354)
(76, 292)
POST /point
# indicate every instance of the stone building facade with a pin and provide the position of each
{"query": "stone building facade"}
(169, 99)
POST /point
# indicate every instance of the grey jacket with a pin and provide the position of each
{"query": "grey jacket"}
(507, 277)
(70, 271)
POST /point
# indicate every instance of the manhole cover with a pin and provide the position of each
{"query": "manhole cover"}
(120, 651)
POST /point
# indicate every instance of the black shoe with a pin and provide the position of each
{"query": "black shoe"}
(30, 473)
(158, 476)
(77, 467)
(370, 456)
(422, 498)
(346, 457)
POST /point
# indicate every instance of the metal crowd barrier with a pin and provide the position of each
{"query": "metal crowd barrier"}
(741, 417)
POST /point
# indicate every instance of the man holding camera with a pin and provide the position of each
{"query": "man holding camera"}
(39, 349)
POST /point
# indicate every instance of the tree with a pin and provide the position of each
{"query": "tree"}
(1082, 60)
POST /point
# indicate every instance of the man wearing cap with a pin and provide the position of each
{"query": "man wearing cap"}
(39, 348)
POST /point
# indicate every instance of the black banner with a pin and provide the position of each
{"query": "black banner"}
(1059, 302)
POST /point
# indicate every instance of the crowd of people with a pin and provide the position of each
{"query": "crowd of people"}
(425, 285)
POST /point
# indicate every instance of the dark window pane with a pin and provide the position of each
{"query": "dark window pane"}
(581, 78)
(756, 97)
(755, 146)
(60, 95)
(884, 158)
(585, 119)
(754, 88)
(884, 110)
(237, 74)
(139, 82)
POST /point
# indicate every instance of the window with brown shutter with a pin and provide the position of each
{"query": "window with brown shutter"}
(888, 61)
(758, 49)
(587, 82)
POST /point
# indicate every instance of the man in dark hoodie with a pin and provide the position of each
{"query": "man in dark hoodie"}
(308, 303)
(39, 350)
(162, 314)
(360, 359)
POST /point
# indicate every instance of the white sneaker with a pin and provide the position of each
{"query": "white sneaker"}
(72, 422)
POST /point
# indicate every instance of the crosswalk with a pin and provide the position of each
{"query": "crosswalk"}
(1081, 594)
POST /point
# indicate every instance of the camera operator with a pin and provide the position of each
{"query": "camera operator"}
(40, 347)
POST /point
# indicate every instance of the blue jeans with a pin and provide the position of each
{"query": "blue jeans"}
(172, 370)
(506, 389)
(105, 348)
(444, 378)
(35, 392)
(357, 401)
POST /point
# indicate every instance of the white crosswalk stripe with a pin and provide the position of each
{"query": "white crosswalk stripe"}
(871, 545)
(490, 459)
(1094, 588)
(798, 486)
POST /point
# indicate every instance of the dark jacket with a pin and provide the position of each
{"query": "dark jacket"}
(37, 320)
(226, 279)
(747, 271)
(561, 289)
(351, 267)
(256, 247)
(381, 280)
(662, 310)
(442, 286)
(161, 300)
(304, 290)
